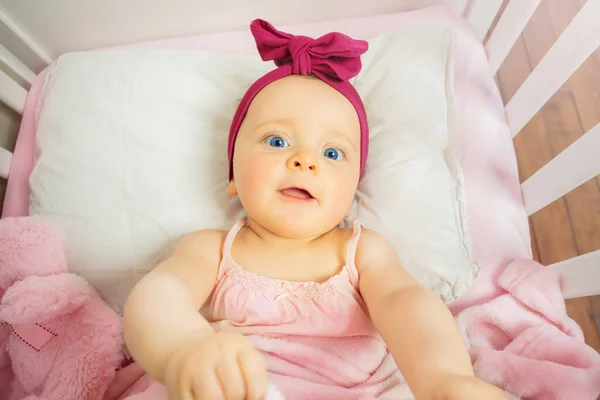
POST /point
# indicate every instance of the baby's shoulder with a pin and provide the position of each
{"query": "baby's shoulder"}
(213, 236)
(205, 243)
(367, 236)
(374, 248)
(365, 240)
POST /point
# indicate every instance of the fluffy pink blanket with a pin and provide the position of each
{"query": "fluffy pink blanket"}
(524, 342)
(521, 341)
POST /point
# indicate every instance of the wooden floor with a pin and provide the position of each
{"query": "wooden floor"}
(571, 225)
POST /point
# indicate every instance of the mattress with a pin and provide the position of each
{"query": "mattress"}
(497, 218)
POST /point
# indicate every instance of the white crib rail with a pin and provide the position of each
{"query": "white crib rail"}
(15, 65)
(12, 94)
(574, 166)
(510, 25)
(572, 48)
(580, 275)
(580, 161)
(5, 160)
(482, 15)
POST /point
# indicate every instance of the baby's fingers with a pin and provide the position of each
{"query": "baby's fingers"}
(230, 377)
(254, 373)
(207, 386)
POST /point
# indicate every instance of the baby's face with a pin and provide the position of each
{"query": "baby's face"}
(296, 162)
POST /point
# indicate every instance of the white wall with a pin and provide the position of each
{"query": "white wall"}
(52, 27)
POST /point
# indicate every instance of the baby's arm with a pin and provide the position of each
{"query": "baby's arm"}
(417, 327)
(162, 311)
(174, 344)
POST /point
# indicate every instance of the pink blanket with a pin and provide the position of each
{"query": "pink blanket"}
(521, 341)
(524, 342)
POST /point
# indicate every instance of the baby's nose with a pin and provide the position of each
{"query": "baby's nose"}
(303, 162)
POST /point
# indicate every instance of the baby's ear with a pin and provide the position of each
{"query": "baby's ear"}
(231, 190)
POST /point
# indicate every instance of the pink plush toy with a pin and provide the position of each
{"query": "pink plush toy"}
(58, 340)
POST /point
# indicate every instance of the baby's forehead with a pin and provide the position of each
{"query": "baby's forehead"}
(293, 86)
(303, 97)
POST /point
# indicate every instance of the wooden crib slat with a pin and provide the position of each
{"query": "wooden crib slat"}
(510, 25)
(572, 48)
(574, 166)
(482, 15)
(11, 93)
(581, 275)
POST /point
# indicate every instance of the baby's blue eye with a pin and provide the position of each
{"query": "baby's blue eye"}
(277, 141)
(331, 153)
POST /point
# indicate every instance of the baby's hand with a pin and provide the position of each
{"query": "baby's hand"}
(223, 366)
(467, 388)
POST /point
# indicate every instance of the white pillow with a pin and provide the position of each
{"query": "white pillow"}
(131, 156)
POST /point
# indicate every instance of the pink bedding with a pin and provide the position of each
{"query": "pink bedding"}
(498, 221)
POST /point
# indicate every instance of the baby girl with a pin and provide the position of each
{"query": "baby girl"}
(287, 296)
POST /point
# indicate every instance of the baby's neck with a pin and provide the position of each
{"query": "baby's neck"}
(271, 238)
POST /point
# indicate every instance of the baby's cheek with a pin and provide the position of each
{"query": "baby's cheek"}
(255, 177)
(248, 169)
(342, 195)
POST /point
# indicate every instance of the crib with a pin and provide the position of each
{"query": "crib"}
(29, 43)
(571, 168)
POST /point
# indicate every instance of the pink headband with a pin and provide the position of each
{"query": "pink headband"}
(333, 58)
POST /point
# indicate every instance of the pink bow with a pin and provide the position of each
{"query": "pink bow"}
(334, 55)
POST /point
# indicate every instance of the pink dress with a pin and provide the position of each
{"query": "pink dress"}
(317, 339)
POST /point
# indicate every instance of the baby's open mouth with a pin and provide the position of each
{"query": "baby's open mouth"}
(297, 193)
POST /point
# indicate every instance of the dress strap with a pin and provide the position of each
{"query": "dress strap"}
(351, 253)
(226, 257)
